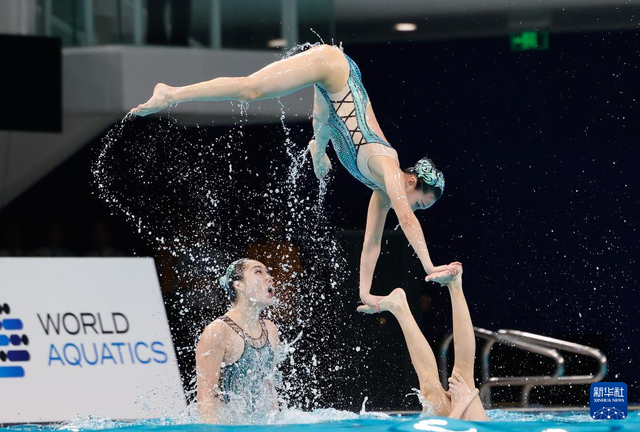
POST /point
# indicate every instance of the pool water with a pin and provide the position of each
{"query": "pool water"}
(331, 420)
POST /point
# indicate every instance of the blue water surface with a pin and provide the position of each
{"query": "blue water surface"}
(332, 420)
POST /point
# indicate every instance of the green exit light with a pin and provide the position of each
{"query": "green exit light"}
(530, 40)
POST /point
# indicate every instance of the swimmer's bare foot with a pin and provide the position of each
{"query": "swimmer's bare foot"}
(394, 302)
(157, 102)
(445, 275)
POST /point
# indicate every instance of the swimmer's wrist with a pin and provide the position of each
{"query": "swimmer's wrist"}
(429, 270)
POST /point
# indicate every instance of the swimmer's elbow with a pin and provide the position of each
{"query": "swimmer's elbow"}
(406, 219)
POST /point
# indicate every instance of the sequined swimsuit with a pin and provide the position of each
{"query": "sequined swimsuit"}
(349, 132)
(246, 379)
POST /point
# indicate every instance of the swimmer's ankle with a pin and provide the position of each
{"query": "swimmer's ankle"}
(396, 302)
(455, 290)
(169, 94)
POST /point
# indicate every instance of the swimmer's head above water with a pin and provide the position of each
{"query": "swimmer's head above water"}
(425, 184)
(250, 280)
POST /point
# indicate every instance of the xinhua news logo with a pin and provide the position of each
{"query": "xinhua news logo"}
(609, 401)
(12, 344)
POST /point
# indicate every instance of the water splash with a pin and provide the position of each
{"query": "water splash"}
(307, 224)
(187, 192)
(317, 34)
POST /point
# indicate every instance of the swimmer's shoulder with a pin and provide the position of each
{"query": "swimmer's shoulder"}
(272, 330)
(217, 331)
(271, 327)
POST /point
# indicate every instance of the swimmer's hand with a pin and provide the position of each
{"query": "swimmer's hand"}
(158, 102)
(445, 273)
(369, 303)
(460, 393)
(321, 162)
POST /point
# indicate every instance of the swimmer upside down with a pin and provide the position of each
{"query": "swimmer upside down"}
(342, 114)
(461, 400)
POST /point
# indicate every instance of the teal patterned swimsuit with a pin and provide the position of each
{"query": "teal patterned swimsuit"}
(347, 140)
(247, 379)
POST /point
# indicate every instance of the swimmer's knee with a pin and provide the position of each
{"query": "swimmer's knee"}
(328, 57)
(332, 50)
(327, 51)
(249, 89)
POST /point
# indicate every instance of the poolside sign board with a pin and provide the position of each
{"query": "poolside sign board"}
(84, 336)
(608, 401)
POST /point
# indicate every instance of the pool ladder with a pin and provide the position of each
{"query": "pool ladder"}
(542, 345)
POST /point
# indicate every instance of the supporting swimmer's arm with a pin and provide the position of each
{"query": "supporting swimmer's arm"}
(461, 395)
(209, 356)
(376, 215)
(458, 411)
(394, 185)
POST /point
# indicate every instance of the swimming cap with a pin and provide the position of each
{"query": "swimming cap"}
(428, 173)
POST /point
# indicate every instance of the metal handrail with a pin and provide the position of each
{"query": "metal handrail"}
(561, 345)
(564, 346)
(491, 338)
(530, 342)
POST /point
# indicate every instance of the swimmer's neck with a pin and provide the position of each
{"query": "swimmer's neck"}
(245, 314)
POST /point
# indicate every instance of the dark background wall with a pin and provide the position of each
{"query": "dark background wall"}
(539, 154)
(538, 150)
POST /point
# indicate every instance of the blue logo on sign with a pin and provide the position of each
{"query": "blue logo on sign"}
(10, 345)
(608, 401)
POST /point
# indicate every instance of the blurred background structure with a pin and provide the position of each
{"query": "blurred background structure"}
(530, 108)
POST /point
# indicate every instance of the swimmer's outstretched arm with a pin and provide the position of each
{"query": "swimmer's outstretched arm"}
(379, 206)
(387, 169)
(209, 356)
(324, 64)
(392, 176)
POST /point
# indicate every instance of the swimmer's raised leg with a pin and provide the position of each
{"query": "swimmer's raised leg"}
(324, 65)
(464, 341)
(422, 357)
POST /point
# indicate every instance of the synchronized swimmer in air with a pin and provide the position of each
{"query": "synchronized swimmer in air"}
(235, 354)
(342, 114)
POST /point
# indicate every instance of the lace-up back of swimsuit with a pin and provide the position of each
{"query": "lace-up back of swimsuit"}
(349, 129)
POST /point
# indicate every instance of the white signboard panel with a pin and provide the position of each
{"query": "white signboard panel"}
(84, 336)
